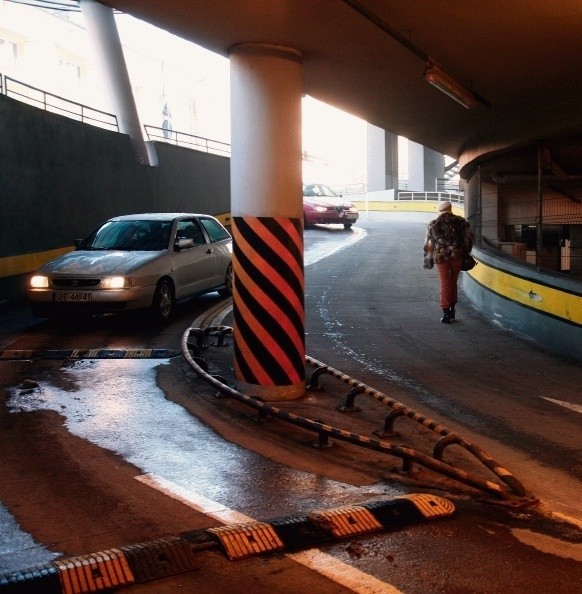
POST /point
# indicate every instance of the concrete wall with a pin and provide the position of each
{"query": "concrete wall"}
(60, 178)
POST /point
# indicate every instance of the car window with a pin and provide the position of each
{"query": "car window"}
(318, 190)
(190, 229)
(215, 230)
(157, 236)
(130, 236)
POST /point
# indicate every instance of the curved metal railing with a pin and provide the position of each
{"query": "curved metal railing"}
(194, 340)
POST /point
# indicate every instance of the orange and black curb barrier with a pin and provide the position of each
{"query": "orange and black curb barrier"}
(115, 568)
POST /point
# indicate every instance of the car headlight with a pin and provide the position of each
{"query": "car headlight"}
(116, 282)
(353, 209)
(320, 208)
(39, 282)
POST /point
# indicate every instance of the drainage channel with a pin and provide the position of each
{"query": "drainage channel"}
(507, 489)
(25, 355)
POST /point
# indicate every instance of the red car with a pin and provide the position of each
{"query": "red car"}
(322, 205)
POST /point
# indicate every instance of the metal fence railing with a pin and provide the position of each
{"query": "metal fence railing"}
(456, 198)
(54, 103)
(186, 140)
(447, 185)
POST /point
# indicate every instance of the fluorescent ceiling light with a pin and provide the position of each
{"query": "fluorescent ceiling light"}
(448, 85)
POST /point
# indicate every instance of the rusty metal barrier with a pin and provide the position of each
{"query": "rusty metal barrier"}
(510, 492)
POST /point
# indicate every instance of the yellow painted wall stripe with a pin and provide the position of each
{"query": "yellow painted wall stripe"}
(15, 265)
(555, 302)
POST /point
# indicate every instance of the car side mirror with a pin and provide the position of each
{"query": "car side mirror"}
(183, 244)
(77, 243)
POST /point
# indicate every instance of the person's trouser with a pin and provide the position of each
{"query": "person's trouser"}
(448, 275)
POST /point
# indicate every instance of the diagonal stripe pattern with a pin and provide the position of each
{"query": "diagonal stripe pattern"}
(269, 316)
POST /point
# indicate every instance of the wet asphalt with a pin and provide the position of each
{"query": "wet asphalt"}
(377, 323)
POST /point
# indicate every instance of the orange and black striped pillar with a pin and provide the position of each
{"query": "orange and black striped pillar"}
(267, 221)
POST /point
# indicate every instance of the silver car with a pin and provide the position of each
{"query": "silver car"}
(136, 261)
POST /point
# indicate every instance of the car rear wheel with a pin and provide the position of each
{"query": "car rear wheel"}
(228, 281)
(164, 302)
(347, 225)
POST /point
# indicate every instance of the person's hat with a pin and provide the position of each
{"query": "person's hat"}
(444, 206)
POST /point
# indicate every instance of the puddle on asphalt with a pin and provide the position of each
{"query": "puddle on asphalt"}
(117, 405)
(16, 545)
(548, 544)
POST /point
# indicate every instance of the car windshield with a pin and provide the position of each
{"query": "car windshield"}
(318, 190)
(130, 236)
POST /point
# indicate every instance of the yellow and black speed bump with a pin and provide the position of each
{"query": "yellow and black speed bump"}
(89, 354)
(143, 562)
(161, 558)
(244, 540)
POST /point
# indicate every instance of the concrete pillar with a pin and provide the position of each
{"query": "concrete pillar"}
(434, 168)
(104, 37)
(424, 167)
(382, 153)
(267, 221)
(415, 167)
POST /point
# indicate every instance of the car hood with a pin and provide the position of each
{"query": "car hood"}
(327, 201)
(97, 263)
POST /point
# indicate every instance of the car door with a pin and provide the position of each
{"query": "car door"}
(220, 244)
(193, 266)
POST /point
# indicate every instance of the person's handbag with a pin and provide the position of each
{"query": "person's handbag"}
(468, 262)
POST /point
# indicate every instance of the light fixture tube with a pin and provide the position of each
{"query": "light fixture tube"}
(448, 85)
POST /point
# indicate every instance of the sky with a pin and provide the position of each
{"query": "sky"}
(336, 140)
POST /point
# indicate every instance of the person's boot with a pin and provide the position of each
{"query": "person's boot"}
(446, 319)
(452, 312)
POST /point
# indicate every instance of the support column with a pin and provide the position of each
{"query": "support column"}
(382, 149)
(105, 40)
(424, 167)
(267, 215)
(416, 167)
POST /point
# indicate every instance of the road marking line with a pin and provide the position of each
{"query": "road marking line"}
(313, 559)
(574, 407)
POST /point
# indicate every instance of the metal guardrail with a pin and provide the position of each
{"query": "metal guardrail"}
(186, 140)
(36, 97)
(447, 185)
(511, 492)
(432, 196)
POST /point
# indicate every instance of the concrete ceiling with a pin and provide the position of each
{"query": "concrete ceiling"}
(523, 58)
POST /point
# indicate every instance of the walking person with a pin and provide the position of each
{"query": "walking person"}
(448, 239)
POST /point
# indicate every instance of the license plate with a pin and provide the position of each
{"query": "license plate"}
(351, 215)
(72, 297)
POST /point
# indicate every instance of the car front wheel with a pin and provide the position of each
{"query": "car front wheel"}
(163, 303)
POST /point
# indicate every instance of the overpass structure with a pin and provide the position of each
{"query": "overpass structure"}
(497, 86)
